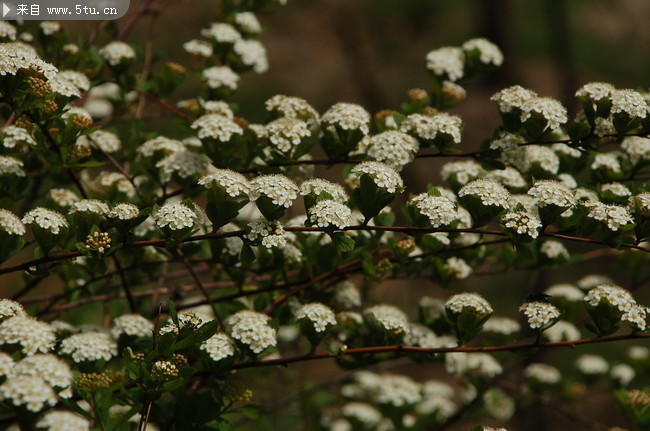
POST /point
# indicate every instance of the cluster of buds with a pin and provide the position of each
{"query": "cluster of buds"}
(50, 107)
(91, 382)
(81, 122)
(165, 369)
(99, 242)
(234, 390)
(38, 87)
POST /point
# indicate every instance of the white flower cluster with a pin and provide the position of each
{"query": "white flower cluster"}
(613, 216)
(329, 213)
(7, 30)
(347, 116)
(347, 295)
(10, 308)
(596, 92)
(252, 53)
(448, 61)
(509, 177)
(70, 83)
(319, 315)
(11, 166)
(396, 149)
(199, 48)
(89, 346)
(551, 192)
(461, 172)
(176, 216)
(160, 144)
(617, 189)
(133, 325)
(565, 291)
(217, 126)
(489, 53)
(481, 364)
(540, 314)
(363, 413)
(427, 127)
(543, 373)
(469, 302)
(89, 206)
(280, 189)
(32, 335)
(235, 184)
(115, 52)
(11, 224)
(293, 107)
(621, 299)
(248, 22)
(562, 331)
(386, 389)
(185, 164)
(457, 268)
(608, 162)
(554, 249)
(512, 98)
(218, 347)
(49, 367)
(501, 325)
(220, 77)
(61, 420)
(124, 211)
(629, 102)
(592, 364)
(251, 329)
(285, 133)
(522, 222)
(270, 233)
(489, 192)
(637, 147)
(315, 186)
(390, 318)
(221, 33)
(550, 109)
(381, 174)
(14, 135)
(15, 56)
(32, 392)
(119, 180)
(440, 210)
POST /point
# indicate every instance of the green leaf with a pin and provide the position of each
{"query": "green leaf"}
(343, 242)
(250, 411)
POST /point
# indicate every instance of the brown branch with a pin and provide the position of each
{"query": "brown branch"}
(125, 285)
(428, 351)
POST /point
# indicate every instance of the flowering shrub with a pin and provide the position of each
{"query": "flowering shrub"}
(214, 250)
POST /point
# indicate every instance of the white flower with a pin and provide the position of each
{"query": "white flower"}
(604, 127)
(347, 295)
(461, 172)
(638, 353)
(248, 22)
(540, 314)
(14, 135)
(60, 420)
(315, 186)
(50, 27)
(596, 92)
(11, 166)
(523, 223)
(447, 61)
(218, 347)
(550, 109)
(362, 412)
(89, 206)
(616, 189)
(623, 374)
(469, 302)
(490, 192)
(32, 392)
(629, 102)
(10, 308)
(48, 366)
(70, 83)
(119, 180)
(592, 364)
(233, 183)
(381, 174)
(46, 219)
(124, 211)
(613, 216)
(428, 128)
(199, 48)
(286, 133)
(394, 148)
(537, 156)
(457, 268)
(590, 281)
(562, 331)
(567, 180)
(481, 364)
(574, 153)
(133, 325)
(6, 363)
(637, 147)
(115, 52)
(185, 164)
(328, 213)
(252, 53)
(636, 316)
(566, 291)
(32, 335)
(213, 107)
(15, 56)
(7, 30)
(509, 177)
(11, 224)
(89, 346)
(160, 144)
(221, 32)
(611, 294)
(347, 116)
(176, 216)
(278, 188)
(320, 316)
(251, 329)
(607, 162)
(440, 210)
(551, 192)
(293, 107)
(489, 53)
(512, 98)
(389, 389)
(390, 318)
(220, 76)
(498, 405)
(543, 373)
(270, 233)
(217, 126)
(501, 325)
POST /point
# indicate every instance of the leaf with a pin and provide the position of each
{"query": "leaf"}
(251, 411)
(343, 242)
(247, 255)
(203, 333)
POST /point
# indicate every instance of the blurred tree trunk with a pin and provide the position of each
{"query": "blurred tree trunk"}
(560, 43)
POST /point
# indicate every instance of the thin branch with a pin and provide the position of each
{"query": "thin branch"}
(423, 350)
(125, 285)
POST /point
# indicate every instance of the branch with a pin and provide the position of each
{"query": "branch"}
(423, 350)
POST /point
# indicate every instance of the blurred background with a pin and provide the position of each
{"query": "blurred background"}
(371, 52)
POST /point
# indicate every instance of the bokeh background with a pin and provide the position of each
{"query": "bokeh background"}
(371, 52)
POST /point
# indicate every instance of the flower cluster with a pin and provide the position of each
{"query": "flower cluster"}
(252, 330)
